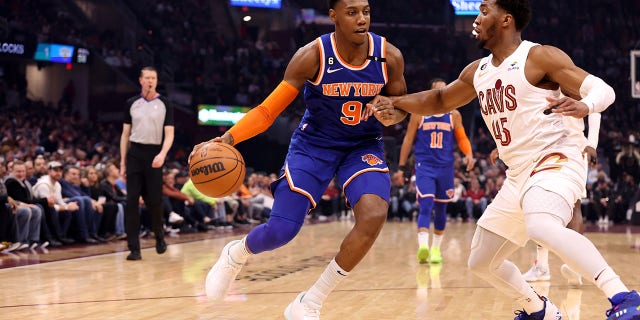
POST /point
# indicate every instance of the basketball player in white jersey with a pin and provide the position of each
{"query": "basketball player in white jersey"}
(515, 84)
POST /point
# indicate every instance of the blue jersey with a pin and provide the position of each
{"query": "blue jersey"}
(434, 141)
(337, 97)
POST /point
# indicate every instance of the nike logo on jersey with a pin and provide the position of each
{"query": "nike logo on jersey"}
(329, 70)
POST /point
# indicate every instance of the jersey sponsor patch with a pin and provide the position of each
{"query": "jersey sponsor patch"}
(371, 159)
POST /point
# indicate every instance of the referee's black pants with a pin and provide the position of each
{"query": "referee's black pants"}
(145, 181)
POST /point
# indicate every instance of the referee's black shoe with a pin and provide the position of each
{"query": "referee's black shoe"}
(134, 255)
(161, 246)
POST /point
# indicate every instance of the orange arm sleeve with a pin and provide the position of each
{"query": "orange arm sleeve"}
(260, 118)
(463, 142)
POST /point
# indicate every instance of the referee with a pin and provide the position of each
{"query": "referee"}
(147, 135)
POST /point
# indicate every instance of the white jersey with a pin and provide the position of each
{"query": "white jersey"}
(512, 109)
(576, 129)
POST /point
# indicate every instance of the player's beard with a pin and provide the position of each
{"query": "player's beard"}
(486, 34)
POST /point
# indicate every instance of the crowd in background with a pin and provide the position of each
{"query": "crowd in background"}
(241, 70)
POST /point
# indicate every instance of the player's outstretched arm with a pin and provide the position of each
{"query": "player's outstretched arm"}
(434, 101)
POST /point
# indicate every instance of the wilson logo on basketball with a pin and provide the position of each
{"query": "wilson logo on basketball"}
(209, 168)
(371, 159)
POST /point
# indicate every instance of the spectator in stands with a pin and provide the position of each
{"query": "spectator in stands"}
(48, 186)
(114, 195)
(90, 185)
(40, 169)
(457, 207)
(220, 219)
(628, 159)
(329, 200)
(622, 194)
(29, 168)
(90, 210)
(28, 215)
(476, 201)
(181, 206)
(602, 201)
(408, 201)
(26, 222)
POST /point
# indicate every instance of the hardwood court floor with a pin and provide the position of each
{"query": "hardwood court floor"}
(388, 284)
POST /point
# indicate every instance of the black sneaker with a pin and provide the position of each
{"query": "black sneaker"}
(161, 246)
(89, 240)
(55, 243)
(66, 240)
(134, 255)
(99, 238)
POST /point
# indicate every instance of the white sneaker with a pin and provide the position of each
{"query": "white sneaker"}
(573, 277)
(222, 274)
(298, 310)
(13, 247)
(536, 274)
(175, 218)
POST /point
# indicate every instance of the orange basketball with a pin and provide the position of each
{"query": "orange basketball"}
(217, 169)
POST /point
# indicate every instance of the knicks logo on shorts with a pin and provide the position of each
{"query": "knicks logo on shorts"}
(371, 159)
(552, 161)
(450, 193)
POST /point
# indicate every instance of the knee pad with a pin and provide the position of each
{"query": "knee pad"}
(275, 233)
(424, 214)
(440, 215)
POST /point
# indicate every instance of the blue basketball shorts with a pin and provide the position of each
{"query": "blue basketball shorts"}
(360, 169)
(434, 182)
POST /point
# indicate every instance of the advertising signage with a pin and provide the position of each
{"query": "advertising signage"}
(53, 52)
(466, 7)
(220, 115)
(272, 4)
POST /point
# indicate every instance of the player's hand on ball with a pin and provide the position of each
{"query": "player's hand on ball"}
(225, 138)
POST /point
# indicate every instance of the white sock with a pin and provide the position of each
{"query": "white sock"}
(423, 239)
(437, 240)
(239, 252)
(609, 282)
(542, 259)
(328, 280)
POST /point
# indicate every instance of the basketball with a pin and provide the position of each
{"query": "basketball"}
(217, 169)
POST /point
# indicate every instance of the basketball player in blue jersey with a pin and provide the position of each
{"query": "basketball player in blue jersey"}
(433, 154)
(337, 136)
(519, 87)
